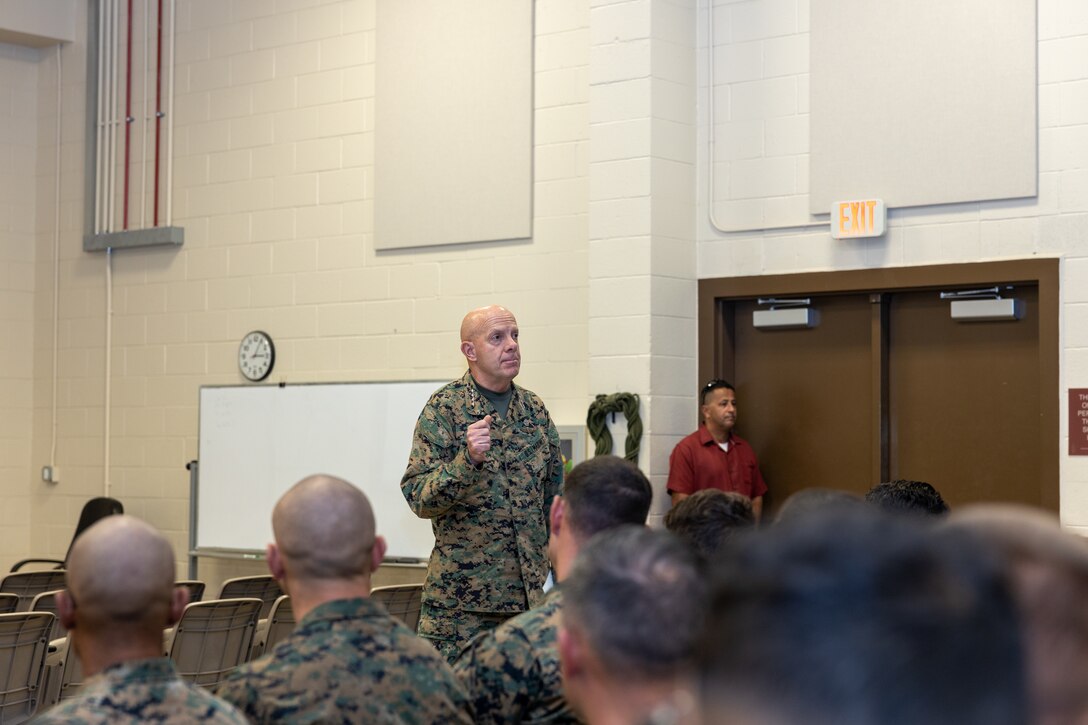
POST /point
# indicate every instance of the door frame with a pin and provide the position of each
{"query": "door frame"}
(716, 357)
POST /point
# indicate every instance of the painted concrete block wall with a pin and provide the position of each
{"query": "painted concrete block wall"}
(18, 158)
(274, 186)
(642, 283)
(755, 38)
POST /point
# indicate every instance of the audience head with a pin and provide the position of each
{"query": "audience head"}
(324, 530)
(851, 616)
(902, 496)
(632, 609)
(602, 493)
(1048, 569)
(803, 503)
(709, 519)
(120, 588)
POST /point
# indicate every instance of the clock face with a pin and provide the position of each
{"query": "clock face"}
(256, 355)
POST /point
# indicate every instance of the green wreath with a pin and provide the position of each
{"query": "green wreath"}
(626, 403)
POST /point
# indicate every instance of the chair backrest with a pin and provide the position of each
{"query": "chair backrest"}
(265, 588)
(47, 602)
(8, 602)
(214, 637)
(281, 622)
(402, 601)
(195, 587)
(24, 643)
(71, 679)
(28, 584)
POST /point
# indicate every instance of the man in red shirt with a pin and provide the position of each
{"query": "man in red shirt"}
(714, 456)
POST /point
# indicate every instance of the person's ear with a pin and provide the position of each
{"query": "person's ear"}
(377, 553)
(571, 654)
(556, 515)
(274, 560)
(468, 349)
(178, 601)
(66, 609)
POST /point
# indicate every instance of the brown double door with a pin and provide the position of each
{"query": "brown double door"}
(888, 385)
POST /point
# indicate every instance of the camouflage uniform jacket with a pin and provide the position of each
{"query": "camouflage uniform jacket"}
(349, 661)
(141, 691)
(512, 672)
(490, 524)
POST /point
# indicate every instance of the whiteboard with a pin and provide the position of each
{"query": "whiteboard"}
(258, 441)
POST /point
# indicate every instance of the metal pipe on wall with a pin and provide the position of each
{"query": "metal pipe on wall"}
(146, 120)
(170, 121)
(158, 111)
(115, 121)
(128, 115)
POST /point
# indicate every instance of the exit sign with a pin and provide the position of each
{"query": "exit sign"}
(860, 218)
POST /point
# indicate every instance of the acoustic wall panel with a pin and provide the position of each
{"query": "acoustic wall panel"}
(453, 132)
(922, 102)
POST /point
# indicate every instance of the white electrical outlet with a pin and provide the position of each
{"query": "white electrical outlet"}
(50, 474)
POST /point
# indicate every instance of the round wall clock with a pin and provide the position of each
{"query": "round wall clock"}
(256, 355)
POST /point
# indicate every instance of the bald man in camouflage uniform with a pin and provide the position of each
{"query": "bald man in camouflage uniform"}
(120, 597)
(348, 660)
(512, 672)
(484, 468)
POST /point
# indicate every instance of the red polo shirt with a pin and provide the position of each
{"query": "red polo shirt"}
(698, 462)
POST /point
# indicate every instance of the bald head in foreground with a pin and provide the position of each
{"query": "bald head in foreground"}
(348, 660)
(120, 597)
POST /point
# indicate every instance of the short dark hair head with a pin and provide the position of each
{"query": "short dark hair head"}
(852, 616)
(714, 385)
(903, 496)
(638, 597)
(1048, 568)
(707, 520)
(800, 504)
(605, 492)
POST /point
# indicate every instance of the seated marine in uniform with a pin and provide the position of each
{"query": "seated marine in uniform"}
(348, 659)
(120, 596)
(512, 672)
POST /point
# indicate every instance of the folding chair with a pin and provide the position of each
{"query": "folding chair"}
(24, 642)
(8, 603)
(47, 602)
(195, 587)
(214, 637)
(264, 587)
(270, 631)
(402, 601)
(71, 673)
(93, 510)
(28, 584)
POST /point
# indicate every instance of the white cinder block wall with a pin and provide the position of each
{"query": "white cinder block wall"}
(642, 263)
(762, 77)
(274, 153)
(18, 158)
(273, 172)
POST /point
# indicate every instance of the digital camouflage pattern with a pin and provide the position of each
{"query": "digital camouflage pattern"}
(449, 629)
(512, 672)
(138, 692)
(490, 524)
(349, 661)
